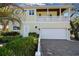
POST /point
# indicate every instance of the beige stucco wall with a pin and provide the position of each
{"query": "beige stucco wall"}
(42, 13)
(30, 20)
(48, 25)
(54, 13)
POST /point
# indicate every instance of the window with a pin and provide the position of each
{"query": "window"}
(16, 28)
(31, 12)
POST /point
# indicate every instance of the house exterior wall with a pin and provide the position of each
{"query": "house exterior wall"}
(10, 26)
(30, 20)
(47, 25)
(54, 13)
(42, 13)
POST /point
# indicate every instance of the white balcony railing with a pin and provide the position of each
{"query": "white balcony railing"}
(52, 18)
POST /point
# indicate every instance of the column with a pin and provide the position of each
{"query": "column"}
(60, 13)
(69, 13)
(35, 15)
(47, 14)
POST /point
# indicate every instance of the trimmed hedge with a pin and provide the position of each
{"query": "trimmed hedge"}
(10, 33)
(9, 36)
(34, 34)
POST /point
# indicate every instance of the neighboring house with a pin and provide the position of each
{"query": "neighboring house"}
(50, 22)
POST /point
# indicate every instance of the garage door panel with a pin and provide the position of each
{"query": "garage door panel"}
(53, 34)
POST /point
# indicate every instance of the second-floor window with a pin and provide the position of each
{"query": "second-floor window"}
(31, 12)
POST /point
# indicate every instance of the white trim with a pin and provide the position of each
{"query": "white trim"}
(48, 22)
(38, 53)
(68, 35)
(47, 12)
(69, 13)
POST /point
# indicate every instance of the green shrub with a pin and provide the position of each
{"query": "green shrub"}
(5, 52)
(10, 33)
(34, 34)
(20, 47)
(76, 35)
(23, 46)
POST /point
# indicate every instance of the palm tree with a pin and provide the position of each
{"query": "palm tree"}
(6, 16)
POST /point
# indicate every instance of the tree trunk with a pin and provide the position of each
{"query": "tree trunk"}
(5, 23)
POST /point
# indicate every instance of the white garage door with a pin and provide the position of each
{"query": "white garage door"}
(53, 33)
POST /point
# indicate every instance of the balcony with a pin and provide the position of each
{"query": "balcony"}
(52, 18)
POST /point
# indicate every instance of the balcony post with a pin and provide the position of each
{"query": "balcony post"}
(47, 13)
(60, 13)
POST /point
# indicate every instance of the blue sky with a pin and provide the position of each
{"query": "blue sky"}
(38, 4)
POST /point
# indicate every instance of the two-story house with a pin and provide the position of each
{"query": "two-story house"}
(49, 21)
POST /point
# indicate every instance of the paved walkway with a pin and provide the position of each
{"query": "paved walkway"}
(59, 47)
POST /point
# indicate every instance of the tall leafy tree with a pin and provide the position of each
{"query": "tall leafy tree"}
(75, 19)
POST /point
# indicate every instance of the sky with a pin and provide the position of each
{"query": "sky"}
(39, 4)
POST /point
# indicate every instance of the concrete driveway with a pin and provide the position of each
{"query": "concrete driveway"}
(54, 47)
